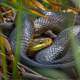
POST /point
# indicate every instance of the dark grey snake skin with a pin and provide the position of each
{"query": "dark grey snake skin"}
(25, 38)
(66, 60)
(49, 55)
(52, 52)
(54, 21)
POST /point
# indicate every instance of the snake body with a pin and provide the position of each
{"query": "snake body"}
(25, 38)
(53, 21)
(49, 55)
(51, 52)
(60, 63)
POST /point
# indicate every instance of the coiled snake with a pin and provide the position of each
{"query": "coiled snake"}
(47, 57)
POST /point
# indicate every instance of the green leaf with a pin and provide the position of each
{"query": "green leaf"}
(19, 28)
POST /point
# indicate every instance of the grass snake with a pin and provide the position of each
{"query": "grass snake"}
(50, 53)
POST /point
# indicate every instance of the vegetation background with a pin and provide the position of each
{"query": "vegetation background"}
(25, 7)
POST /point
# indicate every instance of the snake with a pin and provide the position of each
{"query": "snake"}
(54, 50)
(65, 61)
(26, 37)
(50, 54)
(55, 21)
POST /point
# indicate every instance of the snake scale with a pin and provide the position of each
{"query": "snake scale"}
(46, 57)
(55, 21)
(49, 55)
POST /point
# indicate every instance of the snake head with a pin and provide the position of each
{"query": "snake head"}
(38, 44)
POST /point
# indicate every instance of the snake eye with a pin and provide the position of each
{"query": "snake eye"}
(41, 42)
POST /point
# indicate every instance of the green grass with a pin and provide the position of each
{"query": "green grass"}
(4, 63)
(19, 27)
